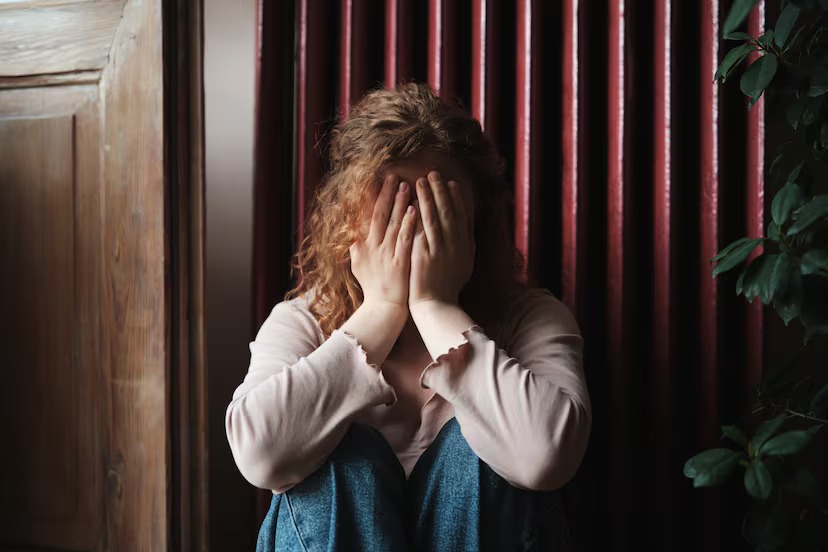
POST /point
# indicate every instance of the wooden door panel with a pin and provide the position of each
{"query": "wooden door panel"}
(102, 438)
(52, 419)
(36, 214)
(70, 36)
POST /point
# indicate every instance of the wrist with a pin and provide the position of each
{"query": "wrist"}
(428, 310)
(432, 304)
(385, 309)
(439, 323)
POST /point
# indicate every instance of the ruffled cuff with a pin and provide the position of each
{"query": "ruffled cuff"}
(371, 372)
(452, 360)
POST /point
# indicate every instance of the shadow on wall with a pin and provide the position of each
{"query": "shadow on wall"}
(229, 74)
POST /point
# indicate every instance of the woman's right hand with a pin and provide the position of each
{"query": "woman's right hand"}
(381, 261)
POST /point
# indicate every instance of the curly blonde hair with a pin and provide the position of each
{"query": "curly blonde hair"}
(391, 126)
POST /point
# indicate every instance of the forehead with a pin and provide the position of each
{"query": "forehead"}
(419, 166)
(411, 169)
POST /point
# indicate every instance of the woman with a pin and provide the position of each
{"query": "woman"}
(411, 392)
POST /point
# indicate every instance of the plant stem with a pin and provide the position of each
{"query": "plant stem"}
(805, 416)
(790, 412)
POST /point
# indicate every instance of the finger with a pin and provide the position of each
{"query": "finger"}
(461, 214)
(382, 209)
(431, 225)
(418, 228)
(400, 204)
(442, 204)
(419, 240)
(405, 238)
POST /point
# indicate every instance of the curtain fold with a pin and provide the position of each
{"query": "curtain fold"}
(631, 169)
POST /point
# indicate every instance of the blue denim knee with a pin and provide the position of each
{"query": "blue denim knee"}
(359, 499)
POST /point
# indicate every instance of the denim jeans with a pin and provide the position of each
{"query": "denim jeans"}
(360, 500)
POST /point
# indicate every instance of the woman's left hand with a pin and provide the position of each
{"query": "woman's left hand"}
(442, 256)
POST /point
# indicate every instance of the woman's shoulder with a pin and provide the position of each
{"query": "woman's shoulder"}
(291, 307)
(292, 313)
(526, 297)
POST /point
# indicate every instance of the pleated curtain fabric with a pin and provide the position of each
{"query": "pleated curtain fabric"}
(631, 169)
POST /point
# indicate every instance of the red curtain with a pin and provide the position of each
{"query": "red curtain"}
(630, 170)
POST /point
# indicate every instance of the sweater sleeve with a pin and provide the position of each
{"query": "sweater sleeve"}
(298, 398)
(528, 416)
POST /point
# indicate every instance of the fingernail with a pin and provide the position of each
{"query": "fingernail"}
(410, 210)
(403, 186)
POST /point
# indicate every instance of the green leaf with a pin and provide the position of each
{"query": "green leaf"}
(739, 36)
(818, 399)
(804, 240)
(744, 277)
(788, 304)
(733, 58)
(814, 261)
(766, 39)
(793, 40)
(819, 83)
(734, 254)
(765, 431)
(734, 434)
(730, 247)
(787, 310)
(796, 171)
(789, 442)
(777, 269)
(786, 201)
(763, 277)
(794, 112)
(758, 76)
(738, 12)
(746, 283)
(814, 330)
(774, 232)
(812, 108)
(815, 90)
(776, 160)
(758, 482)
(711, 467)
(809, 214)
(784, 24)
(814, 39)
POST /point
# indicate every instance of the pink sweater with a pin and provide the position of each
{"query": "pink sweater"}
(525, 410)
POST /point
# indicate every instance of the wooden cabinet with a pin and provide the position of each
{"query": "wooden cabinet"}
(99, 366)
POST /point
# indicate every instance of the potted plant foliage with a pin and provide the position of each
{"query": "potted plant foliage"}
(773, 450)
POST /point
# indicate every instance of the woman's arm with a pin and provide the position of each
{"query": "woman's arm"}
(299, 396)
(528, 416)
